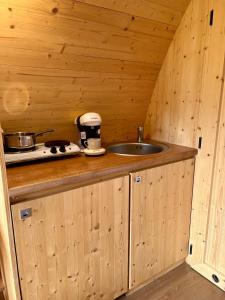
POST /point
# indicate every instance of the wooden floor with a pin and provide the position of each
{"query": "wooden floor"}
(180, 284)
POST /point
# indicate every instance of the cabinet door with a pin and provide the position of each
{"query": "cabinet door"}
(75, 244)
(160, 219)
(209, 258)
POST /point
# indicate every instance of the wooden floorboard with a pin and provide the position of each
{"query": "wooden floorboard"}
(180, 284)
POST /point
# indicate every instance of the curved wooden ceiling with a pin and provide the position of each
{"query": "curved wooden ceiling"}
(61, 58)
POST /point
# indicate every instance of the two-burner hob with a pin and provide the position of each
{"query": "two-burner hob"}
(50, 149)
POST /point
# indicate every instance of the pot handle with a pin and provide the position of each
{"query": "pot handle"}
(43, 132)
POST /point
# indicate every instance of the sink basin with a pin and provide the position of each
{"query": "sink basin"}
(132, 149)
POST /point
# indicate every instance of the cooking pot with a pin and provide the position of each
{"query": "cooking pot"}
(22, 140)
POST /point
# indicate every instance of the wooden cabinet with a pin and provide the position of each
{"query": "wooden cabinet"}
(74, 246)
(160, 219)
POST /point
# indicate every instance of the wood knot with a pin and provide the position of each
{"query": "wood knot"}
(96, 227)
(55, 10)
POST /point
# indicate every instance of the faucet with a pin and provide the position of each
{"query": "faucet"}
(140, 134)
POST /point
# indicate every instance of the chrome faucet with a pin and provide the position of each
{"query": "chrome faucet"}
(140, 134)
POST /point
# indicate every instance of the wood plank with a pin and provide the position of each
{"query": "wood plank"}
(87, 255)
(146, 9)
(78, 67)
(175, 5)
(7, 250)
(215, 242)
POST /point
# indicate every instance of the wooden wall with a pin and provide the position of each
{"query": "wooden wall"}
(188, 88)
(185, 109)
(62, 58)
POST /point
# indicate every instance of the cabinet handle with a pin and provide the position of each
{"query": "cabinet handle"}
(138, 179)
(25, 213)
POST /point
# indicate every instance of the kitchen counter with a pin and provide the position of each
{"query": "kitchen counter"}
(44, 178)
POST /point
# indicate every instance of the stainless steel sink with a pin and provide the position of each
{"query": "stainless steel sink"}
(132, 149)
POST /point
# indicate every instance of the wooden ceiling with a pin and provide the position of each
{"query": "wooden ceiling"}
(65, 57)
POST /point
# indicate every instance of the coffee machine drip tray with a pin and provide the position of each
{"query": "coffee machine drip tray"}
(94, 152)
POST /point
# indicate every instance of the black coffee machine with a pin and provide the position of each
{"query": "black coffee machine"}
(89, 126)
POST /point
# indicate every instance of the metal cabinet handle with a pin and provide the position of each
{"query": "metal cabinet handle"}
(138, 179)
(25, 213)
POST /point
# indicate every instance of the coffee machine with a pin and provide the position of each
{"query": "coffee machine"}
(89, 126)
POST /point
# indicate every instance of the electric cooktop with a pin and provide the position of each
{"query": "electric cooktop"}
(50, 149)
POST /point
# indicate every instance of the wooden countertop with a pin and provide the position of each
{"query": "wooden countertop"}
(44, 178)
